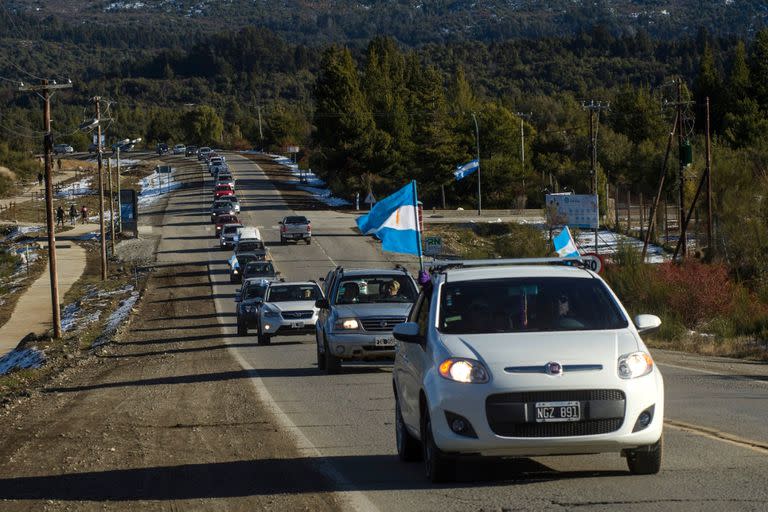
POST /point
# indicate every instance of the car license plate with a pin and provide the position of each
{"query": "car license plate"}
(557, 411)
(297, 325)
(385, 342)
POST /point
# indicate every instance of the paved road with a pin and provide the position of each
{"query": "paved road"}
(345, 421)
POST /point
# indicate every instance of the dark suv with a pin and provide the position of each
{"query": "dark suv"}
(162, 148)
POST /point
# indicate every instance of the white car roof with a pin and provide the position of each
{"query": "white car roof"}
(293, 283)
(501, 272)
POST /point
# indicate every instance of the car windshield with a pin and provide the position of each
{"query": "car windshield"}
(226, 219)
(228, 230)
(260, 268)
(255, 291)
(374, 289)
(528, 305)
(296, 220)
(243, 259)
(293, 292)
(223, 187)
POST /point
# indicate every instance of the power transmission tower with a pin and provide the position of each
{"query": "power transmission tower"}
(593, 107)
(45, 88)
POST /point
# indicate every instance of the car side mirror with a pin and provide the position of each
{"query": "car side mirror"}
(278, 273)
(321, 279)
(280, 222)
(322, 304)
(647, 323)
(408, 332)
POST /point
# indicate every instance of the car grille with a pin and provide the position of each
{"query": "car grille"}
(296, 315)
(381, 324)
(505, 423)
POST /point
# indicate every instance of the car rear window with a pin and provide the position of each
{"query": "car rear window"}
(528, 305)
(250, 246)
(261, 268)
(231, 229)
(296, 220)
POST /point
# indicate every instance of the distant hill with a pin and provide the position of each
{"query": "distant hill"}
(411, 22)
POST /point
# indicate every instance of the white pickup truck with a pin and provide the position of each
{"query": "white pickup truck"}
(295, 227)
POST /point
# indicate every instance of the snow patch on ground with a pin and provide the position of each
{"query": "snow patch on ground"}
(72, 318)
(81, 187)
(155, 186)
(309, 182)
(20, 359)
(117, 318)
(609, 242)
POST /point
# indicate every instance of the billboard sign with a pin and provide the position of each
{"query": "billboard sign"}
(574, 210)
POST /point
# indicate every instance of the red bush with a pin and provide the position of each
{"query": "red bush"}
(697, 292)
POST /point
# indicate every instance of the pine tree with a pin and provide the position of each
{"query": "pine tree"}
(758, 65)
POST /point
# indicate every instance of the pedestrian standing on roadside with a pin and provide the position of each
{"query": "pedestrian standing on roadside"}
(40, 179)
(58, 163)
(84, 214)
(72, 214)
(60, 216)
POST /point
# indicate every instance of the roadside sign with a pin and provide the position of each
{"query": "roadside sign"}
(166, 169)
(369, 199)
(433, 245)
(574, 210)
(293, 149)
(593, 262)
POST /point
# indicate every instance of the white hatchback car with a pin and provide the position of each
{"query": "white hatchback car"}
(503, 358)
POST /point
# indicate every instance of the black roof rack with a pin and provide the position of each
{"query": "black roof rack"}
(442, 265)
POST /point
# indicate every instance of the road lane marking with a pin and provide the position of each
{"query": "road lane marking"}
(718, 435)
(710, 372)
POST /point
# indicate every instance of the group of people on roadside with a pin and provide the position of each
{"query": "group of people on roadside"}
(72, 215)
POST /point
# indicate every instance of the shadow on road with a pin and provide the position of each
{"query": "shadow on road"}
(264, 477)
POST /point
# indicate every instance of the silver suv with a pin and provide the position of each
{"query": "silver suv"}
(358, 313)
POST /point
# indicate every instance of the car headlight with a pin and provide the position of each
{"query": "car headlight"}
(346, 324)
(464, 370)
(635, 365)
(234, 271)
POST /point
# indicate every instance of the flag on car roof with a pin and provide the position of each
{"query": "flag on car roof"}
(233, 261)
(464, 170)
(565, 245)
(393, 221)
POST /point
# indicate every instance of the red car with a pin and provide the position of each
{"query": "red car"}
(223, 190)
(224, 219)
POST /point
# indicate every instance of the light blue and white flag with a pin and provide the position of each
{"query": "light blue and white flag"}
(464, 170)
(564, 244)
(233, 261)
(393, 221)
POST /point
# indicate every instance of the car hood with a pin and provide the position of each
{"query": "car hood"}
(294, 305)
(372, 310)
(498, 351)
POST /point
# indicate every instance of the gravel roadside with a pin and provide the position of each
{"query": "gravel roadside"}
(163, 419)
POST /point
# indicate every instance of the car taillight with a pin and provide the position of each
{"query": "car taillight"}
(283, 229)
(309, 227)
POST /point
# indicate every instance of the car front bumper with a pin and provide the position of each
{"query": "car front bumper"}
(278, 326)
(361, 345)
(469, 401)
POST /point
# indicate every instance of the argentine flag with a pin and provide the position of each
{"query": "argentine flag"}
(393, 221)
(464, 170)
(564, 244)
(233, 261)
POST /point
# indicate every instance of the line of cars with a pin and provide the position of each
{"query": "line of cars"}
(496, 358)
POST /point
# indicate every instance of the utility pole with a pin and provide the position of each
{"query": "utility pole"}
(45, 88)
(111, 207)
(477, 140)
(261, 134)
(97, 101)
(710, 236)
(682, 242)
(594, 106)
(119, 200)
(523, 115)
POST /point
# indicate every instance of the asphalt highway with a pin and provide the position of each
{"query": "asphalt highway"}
(716, 442)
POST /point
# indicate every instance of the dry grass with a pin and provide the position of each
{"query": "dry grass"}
(738, 347)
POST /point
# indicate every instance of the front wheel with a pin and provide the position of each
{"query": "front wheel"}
(645, 460)
(438, 466)
(408, 447)
(332, 363)
(320, 355)
(263, 339)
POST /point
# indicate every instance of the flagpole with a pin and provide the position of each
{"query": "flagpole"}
(418, 227)
(477, 140)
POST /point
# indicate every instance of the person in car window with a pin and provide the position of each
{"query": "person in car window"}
(565, 315)
(351, 293)
(392, 290)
